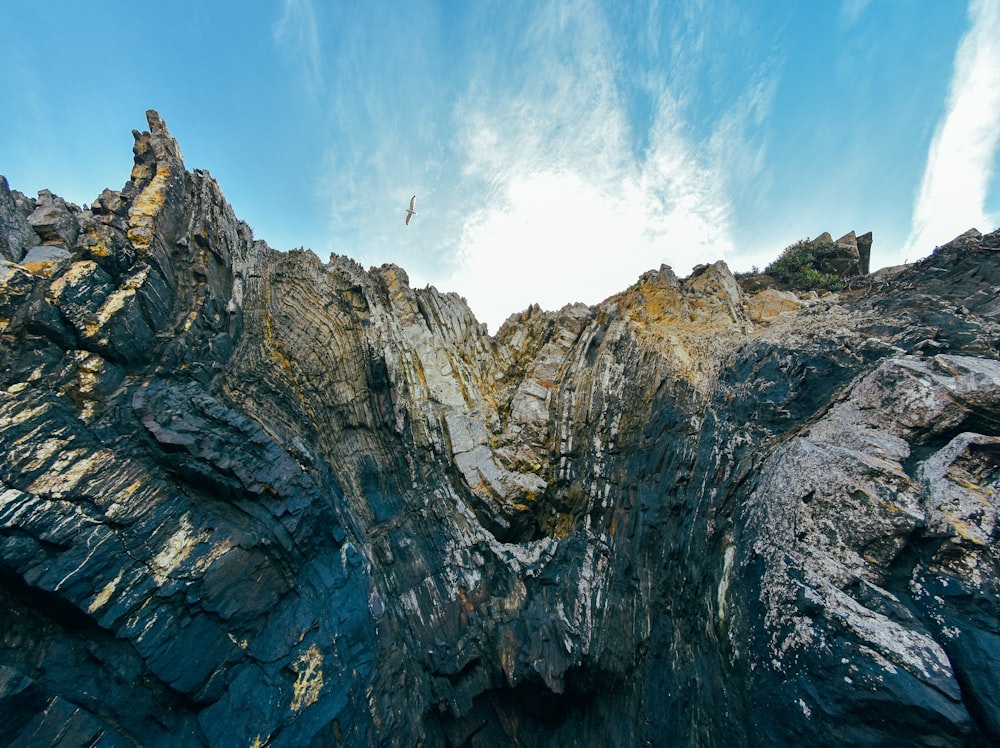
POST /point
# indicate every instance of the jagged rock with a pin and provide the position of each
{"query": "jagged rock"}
(16, 283)
(248, 497)
(864, 244)
(16, 234)
(54, 221)
(109, 202)
(856, 606)
(840, 258)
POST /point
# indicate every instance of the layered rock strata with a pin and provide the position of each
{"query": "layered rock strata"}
(251, 498)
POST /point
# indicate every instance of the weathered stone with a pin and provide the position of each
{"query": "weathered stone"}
(16, 283)
(45, 261)
(54, 220)
(766, 305)
(248, 498)
(109, 202)
(16, 234)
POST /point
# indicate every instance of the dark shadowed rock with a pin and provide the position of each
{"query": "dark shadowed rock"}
(864, 243)
(839, 258)
(249, 498)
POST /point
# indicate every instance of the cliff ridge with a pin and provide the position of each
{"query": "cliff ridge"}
(248, 497)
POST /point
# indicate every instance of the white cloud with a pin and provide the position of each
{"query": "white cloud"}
(558, 238)
(298, 35)
(542, 186)
(573, 214)
(961, 159)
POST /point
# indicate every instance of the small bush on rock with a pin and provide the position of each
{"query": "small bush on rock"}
(797, 267)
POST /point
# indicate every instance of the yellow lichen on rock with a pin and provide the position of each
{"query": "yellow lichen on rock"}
(146, 207)
(97, 245)
(43, 268)
(309, 667)
(102, 597)
(692, 323)
(69, 469)
(177, 548)
(90, 370)
(76, 274)
(114, 303)
(767, 305)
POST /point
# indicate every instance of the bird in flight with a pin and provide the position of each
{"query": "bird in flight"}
(411, 212)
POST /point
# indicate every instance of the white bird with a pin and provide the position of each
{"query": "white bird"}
(411, 212)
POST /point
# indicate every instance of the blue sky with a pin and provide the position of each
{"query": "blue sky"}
(557, 149)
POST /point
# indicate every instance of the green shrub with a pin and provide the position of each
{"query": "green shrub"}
(797, 267)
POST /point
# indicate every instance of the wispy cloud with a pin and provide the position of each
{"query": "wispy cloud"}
(852, 10)
(962, 154)
(549, 166)
(576, 214)
(298, 35)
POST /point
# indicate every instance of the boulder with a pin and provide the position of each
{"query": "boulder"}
(45, 261)
(54, 220)
(765, 306)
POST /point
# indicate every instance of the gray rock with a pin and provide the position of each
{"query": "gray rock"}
(54, 220)
(46, 261)
(16, 234)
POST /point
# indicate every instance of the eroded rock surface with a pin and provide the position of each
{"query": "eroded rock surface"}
(248, 497)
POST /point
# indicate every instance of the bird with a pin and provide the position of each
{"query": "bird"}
(411, 212)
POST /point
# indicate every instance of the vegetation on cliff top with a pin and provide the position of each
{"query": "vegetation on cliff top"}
(800, 266)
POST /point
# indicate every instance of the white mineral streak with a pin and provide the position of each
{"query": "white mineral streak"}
(186, 542)
(527, 559)
(840, 486)
(565, 430)
(412, 605)
(724, 580)
(460, 572)
(591, 591)
(92, 548)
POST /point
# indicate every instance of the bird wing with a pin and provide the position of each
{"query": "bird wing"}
(412, 200)
(408, 216)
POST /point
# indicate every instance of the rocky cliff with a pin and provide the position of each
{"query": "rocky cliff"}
(251, 498)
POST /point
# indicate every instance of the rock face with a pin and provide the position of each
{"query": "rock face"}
(250, 498)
